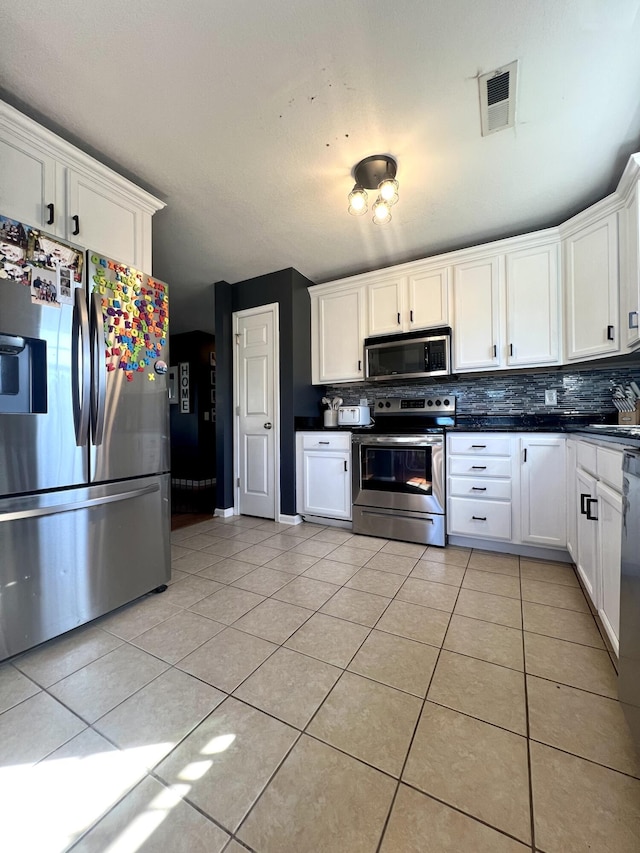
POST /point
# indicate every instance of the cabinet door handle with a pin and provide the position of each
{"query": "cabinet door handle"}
(583, 497)
(359, 366)
(76, 223)
(479, 467)
(345, 465)
(610, 333)
(524, 455)
(51, 209)
(478, 488)
(510, 349)
(588, 513)
(478, 445)
(495, 350)
(324, 442)
(411, 316)
(479, 517)
(633, 319)
(398, 318)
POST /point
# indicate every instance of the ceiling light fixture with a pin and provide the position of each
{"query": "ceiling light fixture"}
(375, 172)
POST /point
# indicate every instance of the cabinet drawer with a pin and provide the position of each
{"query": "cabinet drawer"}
(586, 457)
(475, 487)
(480, 444)
(490, 519)
(475, 467)
(326, 441)
(609, 467)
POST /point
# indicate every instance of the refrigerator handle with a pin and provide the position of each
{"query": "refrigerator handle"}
(99, 388)
(80, 367)
(39, 511)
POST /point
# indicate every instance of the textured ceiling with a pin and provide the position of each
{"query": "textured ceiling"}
(247, 118)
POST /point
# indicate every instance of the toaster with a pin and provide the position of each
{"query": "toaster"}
(354, 416)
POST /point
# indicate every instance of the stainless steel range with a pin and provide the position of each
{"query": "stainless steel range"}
(398, 470)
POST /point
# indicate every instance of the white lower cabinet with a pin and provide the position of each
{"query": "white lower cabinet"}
(323, 475)
(572, 521)
(543, 491)
(479, 469)
(598, 512)
(508, 487)
(587, 533)
(609, 529)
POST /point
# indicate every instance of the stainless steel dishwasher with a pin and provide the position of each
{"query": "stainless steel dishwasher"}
(629, 681)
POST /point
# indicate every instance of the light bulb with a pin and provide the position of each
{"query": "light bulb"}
(389, 190)
(381, 213)
(357, 201)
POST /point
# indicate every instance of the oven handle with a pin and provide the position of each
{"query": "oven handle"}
(396, 514)
(398, 441)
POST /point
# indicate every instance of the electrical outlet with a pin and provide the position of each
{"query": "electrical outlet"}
(551, 398)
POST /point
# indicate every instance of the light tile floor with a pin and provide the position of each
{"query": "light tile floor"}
(302, 689)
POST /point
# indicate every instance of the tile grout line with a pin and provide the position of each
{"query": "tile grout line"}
(419, 717)
(528, 729)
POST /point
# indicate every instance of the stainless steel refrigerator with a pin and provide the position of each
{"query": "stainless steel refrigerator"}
(629, 675)
(84, 426)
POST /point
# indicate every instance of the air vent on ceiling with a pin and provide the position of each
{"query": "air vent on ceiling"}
(498, 98)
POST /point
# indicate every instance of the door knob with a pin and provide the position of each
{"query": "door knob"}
(267, 425)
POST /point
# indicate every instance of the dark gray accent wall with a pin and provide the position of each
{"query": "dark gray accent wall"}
(224, 396)
(298, 398)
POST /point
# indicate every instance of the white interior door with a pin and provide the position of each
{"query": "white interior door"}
(257, 411)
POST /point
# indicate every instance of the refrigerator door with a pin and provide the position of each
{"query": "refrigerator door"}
(629, 666)
(130, 397)
(71, 556)
(44, 376)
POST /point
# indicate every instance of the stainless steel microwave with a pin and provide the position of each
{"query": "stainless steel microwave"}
(409, 356)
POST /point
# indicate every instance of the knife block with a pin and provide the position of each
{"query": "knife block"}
(630, 418)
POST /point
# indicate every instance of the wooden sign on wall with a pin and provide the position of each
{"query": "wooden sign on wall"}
(185, 391)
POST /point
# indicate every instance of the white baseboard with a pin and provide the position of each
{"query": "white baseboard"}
(224, 513)
(533, 551)
(290, 519)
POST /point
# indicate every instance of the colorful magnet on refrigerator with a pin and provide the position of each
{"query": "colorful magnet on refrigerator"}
(152, 377)
(160, 367)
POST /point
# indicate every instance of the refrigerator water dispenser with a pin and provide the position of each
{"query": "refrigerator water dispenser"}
(23, 373)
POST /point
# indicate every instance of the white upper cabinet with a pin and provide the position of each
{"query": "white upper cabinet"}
(591, 289)
(106, 220)
(386, 299)
(408, 300)
(533, 306)
(428, 292)
(629, 223)
(27, 182)
(476, 313)
(337, 334)
(48, 183)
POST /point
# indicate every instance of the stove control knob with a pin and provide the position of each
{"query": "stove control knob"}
(446, 402)
(429, 402)
(381, 405)
(388, 404)
(438, 402)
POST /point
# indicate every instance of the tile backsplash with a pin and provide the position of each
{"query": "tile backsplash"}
(579, 391)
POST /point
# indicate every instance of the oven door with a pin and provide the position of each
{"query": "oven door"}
(403, 472)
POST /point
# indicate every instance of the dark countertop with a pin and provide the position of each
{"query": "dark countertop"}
(590, 426)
